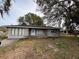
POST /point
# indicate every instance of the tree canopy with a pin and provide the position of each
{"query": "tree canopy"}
(4, 6)
(31, 19)
(54, 10)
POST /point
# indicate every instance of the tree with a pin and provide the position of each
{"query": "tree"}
(4, 6)
(21, 20)
(31, 19)
(54, 10)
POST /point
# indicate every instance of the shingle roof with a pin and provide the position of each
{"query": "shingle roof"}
(30, 26)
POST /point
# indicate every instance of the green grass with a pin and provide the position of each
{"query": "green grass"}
(62, 45)
(77, 39)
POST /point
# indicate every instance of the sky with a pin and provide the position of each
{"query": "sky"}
(19, 8)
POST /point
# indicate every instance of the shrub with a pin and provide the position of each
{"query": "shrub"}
(3, 37)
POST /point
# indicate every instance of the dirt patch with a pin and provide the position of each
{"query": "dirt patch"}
(23, 52)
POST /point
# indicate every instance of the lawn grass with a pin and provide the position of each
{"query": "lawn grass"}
(57, 48)
(50, 48)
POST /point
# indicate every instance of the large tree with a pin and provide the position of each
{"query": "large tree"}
(54, 10)
(31, 19)
(4, 6)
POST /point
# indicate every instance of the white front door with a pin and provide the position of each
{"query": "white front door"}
(33, 32)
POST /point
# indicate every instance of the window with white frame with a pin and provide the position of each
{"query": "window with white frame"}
(12, 31)
(16, 31)
(20, 31)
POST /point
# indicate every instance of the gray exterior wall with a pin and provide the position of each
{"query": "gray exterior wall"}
(38, 32)
(25, 32)
(45, 33)
(53, 33)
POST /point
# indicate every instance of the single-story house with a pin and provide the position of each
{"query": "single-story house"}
(19, 31)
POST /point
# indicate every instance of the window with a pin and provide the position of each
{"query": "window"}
(20, 31)
(16, 31)
(12, 31)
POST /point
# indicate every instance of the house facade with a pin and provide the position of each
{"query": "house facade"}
(17, 31)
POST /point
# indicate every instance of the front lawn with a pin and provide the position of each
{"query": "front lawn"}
(50, 48)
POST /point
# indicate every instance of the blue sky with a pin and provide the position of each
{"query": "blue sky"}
(19, 8)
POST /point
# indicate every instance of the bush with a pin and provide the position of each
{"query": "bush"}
(3, 37)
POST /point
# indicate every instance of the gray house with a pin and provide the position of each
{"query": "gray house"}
(18, 31)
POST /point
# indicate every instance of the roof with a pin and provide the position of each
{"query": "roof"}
(29, 26)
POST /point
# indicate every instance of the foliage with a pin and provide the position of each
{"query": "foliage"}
(3, 33)
(54, 10)
(20, 20)
(3, 29)
(4, 6)
(3, 37)
(31, 19)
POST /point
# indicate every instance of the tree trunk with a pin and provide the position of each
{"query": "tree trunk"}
(59, 23)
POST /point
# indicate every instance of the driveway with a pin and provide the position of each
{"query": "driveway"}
(6, 42)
